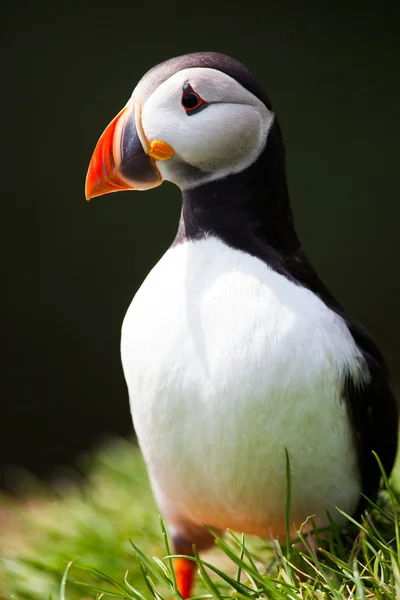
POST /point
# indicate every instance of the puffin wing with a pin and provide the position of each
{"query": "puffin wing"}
(374, 412)
(373, 408)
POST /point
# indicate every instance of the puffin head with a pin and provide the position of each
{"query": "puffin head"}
(190, 120)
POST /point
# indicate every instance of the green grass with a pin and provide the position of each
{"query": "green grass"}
(109, 528)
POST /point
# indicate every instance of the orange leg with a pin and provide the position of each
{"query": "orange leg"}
(184, 572)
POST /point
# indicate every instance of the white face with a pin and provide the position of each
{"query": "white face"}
(225, 137)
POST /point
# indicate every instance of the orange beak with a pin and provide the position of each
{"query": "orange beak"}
(120, 160)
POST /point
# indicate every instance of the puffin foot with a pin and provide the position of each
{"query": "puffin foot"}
(186, 534)
(184, 572)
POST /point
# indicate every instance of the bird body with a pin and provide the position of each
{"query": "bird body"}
(233, 349)
(233, 392)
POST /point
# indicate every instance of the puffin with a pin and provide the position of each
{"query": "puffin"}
(236, 355)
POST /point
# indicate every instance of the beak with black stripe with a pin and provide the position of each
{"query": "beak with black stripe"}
(123, 158)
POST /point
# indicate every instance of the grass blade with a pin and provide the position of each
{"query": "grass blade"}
(64, 580)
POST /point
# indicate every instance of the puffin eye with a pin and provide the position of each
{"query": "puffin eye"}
(191, 101)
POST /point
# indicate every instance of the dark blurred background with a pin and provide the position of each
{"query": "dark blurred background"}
(71, 268)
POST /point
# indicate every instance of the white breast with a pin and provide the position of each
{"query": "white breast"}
(227, 363)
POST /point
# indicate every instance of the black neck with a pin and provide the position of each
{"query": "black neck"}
(249, 211)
